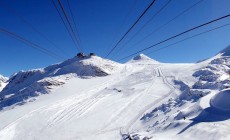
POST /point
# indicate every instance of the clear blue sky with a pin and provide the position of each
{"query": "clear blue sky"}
(101, 23)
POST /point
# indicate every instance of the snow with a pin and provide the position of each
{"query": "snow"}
(99, 99)
(3, 82)
(142, 59)
(221, 100)
(226, 51)
(32, 83)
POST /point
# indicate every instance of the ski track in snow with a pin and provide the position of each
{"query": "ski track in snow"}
(114, 107)
(157, 72)
(56, 104)
(153, 104)
(76, 109)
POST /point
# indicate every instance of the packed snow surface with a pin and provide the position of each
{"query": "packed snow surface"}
(98, 99)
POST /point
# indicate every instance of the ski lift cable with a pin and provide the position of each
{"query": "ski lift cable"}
(69, 23)
(177, 35)
(199, 34)
(149, 6)
(122, 24)
(30, 44)
(151, 19)
(168, 22)
(74, 21)
(59, 14)
(30, 25)
(174, 18)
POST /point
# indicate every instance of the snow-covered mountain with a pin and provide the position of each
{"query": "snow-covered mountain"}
(26, 84)
(100, 99)
(226, 51)
(3, 81)
(142, 60)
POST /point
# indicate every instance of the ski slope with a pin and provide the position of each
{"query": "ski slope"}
(142, 98)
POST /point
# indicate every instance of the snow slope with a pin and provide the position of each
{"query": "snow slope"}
(226, 51)
(142, 60)
(26, 84)
(143, 99)
(3, 82)
(221, 101)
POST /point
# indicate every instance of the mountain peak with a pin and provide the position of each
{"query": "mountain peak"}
(36, 81)
(3, 79)
(226, 51)
(143, 59)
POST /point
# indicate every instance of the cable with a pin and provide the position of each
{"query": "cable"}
(123, 23)
(150, 5)
(71, 28)
(31, 44)
(56, 8)
(174, 18)
(219, 27)
(158, 12)
(31, 26)
(170, 38)
(75, 25)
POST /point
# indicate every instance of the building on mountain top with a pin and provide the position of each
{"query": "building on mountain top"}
(92, 54)
(81, 55)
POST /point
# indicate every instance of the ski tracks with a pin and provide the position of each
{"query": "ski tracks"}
(77, 107)
(156, 102)
(125, 107)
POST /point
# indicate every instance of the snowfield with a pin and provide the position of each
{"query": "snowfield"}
(98, 99)
(3, 82)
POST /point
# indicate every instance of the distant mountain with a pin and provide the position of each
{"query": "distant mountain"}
(226, 51)
(3, 81)
(143, 59)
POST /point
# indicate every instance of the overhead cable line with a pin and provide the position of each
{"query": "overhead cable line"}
(63, 21)
(31, 44)
(175, 36)
(150, 5)
(158, 12)
(174, 18)
(75, 25)
(31, 26)
(199, 34)
(123, 23)
(69, 23)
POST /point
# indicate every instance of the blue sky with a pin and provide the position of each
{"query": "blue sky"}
(101, 23)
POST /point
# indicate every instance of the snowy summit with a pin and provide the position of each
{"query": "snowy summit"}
(143, 59)
(3, 81)
(226, 51)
